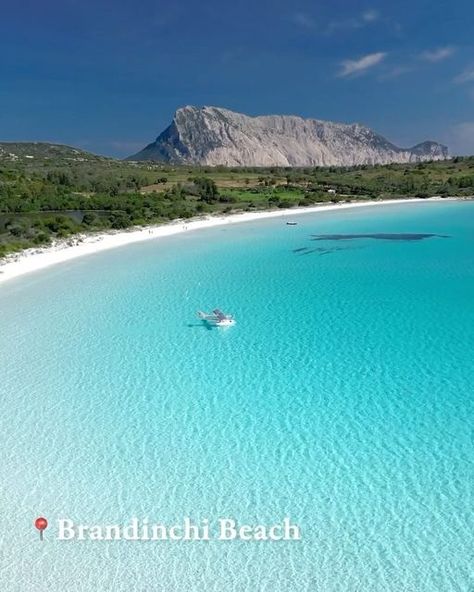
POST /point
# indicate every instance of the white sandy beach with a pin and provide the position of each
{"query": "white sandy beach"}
(31, 260)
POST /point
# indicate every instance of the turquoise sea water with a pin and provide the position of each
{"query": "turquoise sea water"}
(342, 399)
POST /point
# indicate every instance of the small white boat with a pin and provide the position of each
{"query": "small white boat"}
(217, 318)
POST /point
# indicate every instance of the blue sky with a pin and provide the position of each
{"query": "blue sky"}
(108, 75)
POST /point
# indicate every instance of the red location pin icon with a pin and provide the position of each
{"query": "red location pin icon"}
(41, 523)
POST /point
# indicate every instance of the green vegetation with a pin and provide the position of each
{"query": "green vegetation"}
(49, 191)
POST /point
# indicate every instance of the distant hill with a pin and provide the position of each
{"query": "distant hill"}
(24, 151)
(216, 136)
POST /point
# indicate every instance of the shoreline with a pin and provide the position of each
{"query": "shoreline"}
(36, 259)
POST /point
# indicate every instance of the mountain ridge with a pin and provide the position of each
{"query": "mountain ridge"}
(12, 151)
(218, 136)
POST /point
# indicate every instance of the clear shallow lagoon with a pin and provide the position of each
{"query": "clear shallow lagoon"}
(342, 398)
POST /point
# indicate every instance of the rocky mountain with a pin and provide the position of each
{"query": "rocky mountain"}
(216, 136)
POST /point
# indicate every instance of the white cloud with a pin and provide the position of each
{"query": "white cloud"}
(355, 67)
(437, 55)
(466, 76)
(369, 16)
(362, 20)
(304, 20)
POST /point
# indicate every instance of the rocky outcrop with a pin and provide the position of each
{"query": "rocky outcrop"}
(216, 136)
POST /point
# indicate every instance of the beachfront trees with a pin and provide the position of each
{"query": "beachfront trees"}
(120, 220)
(206, 189)
(100, 194)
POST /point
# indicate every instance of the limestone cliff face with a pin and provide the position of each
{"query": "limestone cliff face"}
(216, 136)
